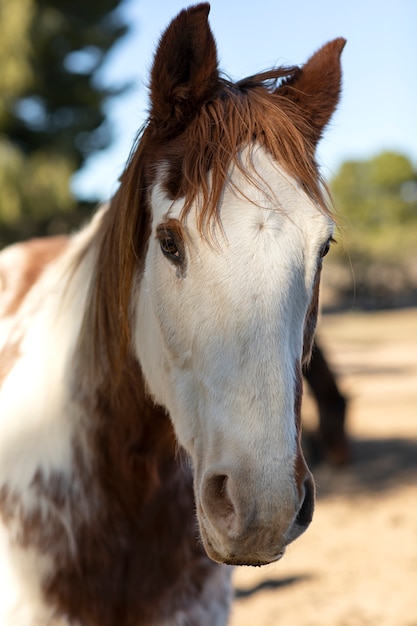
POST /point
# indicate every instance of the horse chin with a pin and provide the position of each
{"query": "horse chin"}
(249, 558)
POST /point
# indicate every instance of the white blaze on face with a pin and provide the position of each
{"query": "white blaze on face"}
(219, 340)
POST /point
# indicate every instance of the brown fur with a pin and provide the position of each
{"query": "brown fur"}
(36, 255)
(122, 575)
(320, 75)
(300, 467)
(311, 319)
(139, 488)
(184, 70)
(8, 357)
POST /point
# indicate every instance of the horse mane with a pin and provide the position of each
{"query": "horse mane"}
(197, 154)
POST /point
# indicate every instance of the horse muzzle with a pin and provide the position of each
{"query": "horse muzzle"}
(245, 523)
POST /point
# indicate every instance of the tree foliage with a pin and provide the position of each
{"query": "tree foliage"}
(15, 19)
(51, 105)
(377, 202)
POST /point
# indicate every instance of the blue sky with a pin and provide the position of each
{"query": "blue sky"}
(378, 109)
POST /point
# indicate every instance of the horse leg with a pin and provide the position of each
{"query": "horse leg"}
(331, 408)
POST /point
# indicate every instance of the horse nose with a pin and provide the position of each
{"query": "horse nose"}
(247, 522)
(305, 512)
(218, 498)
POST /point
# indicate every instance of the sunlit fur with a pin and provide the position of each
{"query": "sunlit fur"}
(150, 365)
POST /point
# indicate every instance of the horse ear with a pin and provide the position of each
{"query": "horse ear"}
(315, 88)
(185, 69)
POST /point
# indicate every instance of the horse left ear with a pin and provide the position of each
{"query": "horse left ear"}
(315, 88)
(185, 69)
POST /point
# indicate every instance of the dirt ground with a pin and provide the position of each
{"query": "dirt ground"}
(357, 563)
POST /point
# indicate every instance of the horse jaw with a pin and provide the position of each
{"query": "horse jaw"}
(220, 345)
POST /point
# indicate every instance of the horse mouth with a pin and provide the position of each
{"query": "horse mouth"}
(242, 560)
(254, 562)
(247, 559)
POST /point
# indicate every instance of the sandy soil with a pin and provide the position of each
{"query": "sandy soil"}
(357, 563)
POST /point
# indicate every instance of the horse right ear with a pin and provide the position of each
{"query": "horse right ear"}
(185, 70)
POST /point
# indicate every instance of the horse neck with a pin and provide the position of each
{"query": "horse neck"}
(135, 483)
(132, 440)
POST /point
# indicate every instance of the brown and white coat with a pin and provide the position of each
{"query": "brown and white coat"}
(150, 368)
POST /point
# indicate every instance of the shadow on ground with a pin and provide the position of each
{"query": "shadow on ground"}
(269, 585)
(377, 465)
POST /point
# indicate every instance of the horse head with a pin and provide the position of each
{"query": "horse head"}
(222, 223)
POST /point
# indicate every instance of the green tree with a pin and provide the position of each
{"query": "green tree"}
(377, 202)
(15, 19)
(51, 106)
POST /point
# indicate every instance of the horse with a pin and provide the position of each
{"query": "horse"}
(151, 363)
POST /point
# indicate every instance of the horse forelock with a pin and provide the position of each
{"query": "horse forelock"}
(241, 114)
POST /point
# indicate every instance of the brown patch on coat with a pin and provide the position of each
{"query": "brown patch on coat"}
(8, 357)
(139, 558)
(129, 552)
(36, 254)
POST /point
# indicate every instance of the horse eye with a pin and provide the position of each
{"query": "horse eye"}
(170, 247)
(325, 249)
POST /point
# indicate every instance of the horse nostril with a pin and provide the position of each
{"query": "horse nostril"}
(217, 497)
(305, 514)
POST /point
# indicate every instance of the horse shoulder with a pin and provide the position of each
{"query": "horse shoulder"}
(21, 266)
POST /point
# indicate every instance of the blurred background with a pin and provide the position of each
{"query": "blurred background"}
(73, 94)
